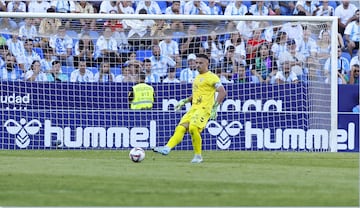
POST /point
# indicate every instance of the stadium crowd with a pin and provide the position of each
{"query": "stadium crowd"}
(90, 50)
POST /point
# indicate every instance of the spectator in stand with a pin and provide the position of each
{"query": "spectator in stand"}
(293, 31)
(345, 12)
(160, 63)
(239, 45)
(82, 74)
(313, 71)
(170, 48)
(293, 58)
(324, 10)
(84, 50)
(242, 74)
(7, 24)
(55, 74)
(341, 77)
(223, 76)
(35, 73)
(327, 27)
(279, 45)
(307, 46)
(188, 74)
(229, 61)
(132, 57)
(286, 75)
(9, 70)
(49, 26)
(233, 9)
(287, 7)
(126, 7)
(136, 67)
(104, 74)
(2, 6)
(215, 49)
(263, 65)
(152, 7)
(192, 43)
(323, 47)
(138, 27)
(46, 62)
(62, 46)
(107, 6)
(273, 7)
(151, 77)
(127, 75)
(343, 67)
(171, 76)
(86, 8)
(254, 44)
(352, 33)
(28, 30)
(63, 6)
(354, 74)
(246, 28)
(16, 6)
(16, 47)
(118, 33)
(196, 8)
(259, 9)
(355, 59)
(106, 48)
(4, 50)
(306, 8)
(214, 8)
(175, 9)
(30, 54)
(38, 6)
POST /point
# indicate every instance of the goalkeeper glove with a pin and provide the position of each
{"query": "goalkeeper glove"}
(213, 113)
(181, 104)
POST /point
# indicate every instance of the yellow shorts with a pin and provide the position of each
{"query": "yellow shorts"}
(196, 117)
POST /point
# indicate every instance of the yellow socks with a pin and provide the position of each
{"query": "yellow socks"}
(195, 138)
(177, 136)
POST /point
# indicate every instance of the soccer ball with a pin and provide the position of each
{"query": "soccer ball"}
(137, 154)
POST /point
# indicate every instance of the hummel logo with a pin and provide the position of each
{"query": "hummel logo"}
(22, 130)
(224, 131)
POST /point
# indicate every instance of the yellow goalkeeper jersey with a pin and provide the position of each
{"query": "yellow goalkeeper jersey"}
(203, 90)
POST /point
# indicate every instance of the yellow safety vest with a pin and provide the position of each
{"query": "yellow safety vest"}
(143, 96)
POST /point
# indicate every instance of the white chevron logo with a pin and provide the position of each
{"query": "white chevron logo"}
(224, 132)
(22, 130)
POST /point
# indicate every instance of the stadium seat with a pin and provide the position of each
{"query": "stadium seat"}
(94, 70)
(142, 54)
(73, 34)
(67, 70)
(6, 35)
(178, 35)
(224, 37)
(115, 70)
(247, 4)
(162, 5)
(346, 55)
(94, 36)
(39, 51)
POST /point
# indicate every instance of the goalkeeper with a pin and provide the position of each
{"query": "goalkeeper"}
(203, 108)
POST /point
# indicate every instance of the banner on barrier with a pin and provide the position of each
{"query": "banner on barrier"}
(76, 118)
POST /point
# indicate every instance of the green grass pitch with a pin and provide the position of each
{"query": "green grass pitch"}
(235, 178)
